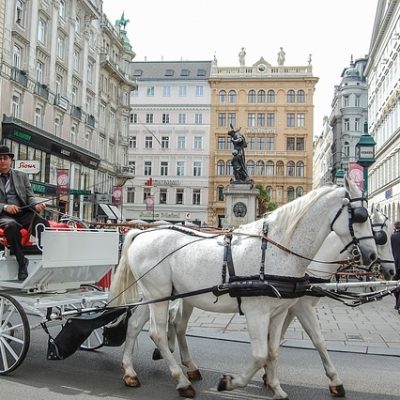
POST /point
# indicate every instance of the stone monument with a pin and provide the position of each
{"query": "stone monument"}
(240, 194)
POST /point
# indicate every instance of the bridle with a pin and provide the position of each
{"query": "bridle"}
(355, 215)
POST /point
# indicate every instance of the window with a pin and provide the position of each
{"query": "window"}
(221, 119)
(357, 124)
(132, 166)
(291, 120)
(299, 191)
(74, 95)
(58, 125)
(270, 168)
(196, 197)
(269, 192)
(130, 195)
(147, 195)
(346, 124)
(150, 91)
(182, 118)
(61, 9)
(220, 193)
(229, 168)
(198, 118)
(271, 96)
(261, 96)
(148, 142)
(222, 97)
(165, 142)
(300, 144)
(232, 119)
(132, 142)
(250, 167)
(251, 120)
(261, 143)
(76, 58)
(38, 117)
(291, 98)
(165, 118)
(290, 168)
(271, 119)
(220, 168)
(74, 134)
(346, 150)
(232, 97)
(133, 118)
(290, 143)
(182, 91)
(166, 91)
(59, 84)
(197, 168)
(147, 168)
(279, 168)
(251, 143)
(181, 142)
(300, 168)
(42, 30)
(290, 193)
(39, 71)
(198, 143)
(260, 168)
(180, 168)
(199, 91)
(357, 101)
(270, 143)
(19, 12)
(149, 118)
(60, 47)
(261, 119)
(90, 71)
(179, 196)
(164, 168)
(301, 120)
(346, 101)
(251, 96)
(163, 196)
(221, 142)
(77, 25)
(17, 51)
(301, 98)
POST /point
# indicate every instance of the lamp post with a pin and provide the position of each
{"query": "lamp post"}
(365, 155)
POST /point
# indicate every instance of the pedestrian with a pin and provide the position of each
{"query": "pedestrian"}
(18, 208)
(395, 242)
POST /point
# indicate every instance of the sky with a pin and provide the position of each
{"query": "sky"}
(330, 30)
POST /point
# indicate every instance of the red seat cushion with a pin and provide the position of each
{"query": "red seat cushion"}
(25, 236)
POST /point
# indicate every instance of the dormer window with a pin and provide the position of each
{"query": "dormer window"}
(185, 72)
(169, 72)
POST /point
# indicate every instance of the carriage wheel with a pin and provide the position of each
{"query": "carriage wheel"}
(14, 334)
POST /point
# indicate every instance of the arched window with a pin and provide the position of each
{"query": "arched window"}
(269, 192)
(346, 148)
(251, 96)
(260, 168)
(291, 97)
(300, 168)
(222, 96)
(280, 168)
(290, 168)
(270, 168)
(261, 96)
(271, 96)
(250, 167)
(232, 97)
(229, 168)
(220, 193)
(301, 97)
(220, 168)
(290, 193)
(299, 191)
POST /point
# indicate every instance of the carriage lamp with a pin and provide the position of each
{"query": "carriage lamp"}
(365, 154)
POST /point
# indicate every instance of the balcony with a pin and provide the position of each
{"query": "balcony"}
(90, 120)
(42, 90)
(61, 102)
(20, 76)
(76, 112)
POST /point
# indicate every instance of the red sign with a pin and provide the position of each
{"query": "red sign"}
(62, 181)
(117, 195)
(149, 202)
(356, 174)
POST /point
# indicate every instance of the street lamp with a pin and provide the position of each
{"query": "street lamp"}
(365, 155)
(339, 177)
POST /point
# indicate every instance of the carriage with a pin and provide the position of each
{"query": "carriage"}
(63, 271)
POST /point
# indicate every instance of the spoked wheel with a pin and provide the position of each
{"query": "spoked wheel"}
(14, 334)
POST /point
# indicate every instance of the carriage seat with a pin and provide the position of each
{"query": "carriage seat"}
(25, 237)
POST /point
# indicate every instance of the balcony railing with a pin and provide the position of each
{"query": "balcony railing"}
(124, 171)
(20, 76)
(42, 90)
(76, 112)
(61, 101)
(90, 120)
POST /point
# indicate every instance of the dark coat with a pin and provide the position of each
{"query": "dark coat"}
(395, 242)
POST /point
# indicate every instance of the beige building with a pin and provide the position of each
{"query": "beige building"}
(273, 106)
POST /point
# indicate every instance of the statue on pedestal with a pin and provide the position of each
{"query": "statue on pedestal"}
(239, 160)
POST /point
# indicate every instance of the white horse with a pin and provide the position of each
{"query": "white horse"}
(164, 261)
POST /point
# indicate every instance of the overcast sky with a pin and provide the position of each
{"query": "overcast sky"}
(330, 30)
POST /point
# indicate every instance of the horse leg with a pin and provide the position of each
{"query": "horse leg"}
(158, 333)
(274, 340)
(305, 313)
(183, 311)
(135, 324)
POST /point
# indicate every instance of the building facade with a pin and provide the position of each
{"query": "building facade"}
(273, 106)
(382, 73)
(54, 80)
(169, 142)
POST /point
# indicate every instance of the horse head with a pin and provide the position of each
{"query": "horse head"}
(352, 225)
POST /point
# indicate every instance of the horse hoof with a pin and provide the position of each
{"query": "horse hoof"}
(194, 375)
(187, 392)
(157, 355)
(131, 381)
(224, 383)
(265, 379)
(337, 391)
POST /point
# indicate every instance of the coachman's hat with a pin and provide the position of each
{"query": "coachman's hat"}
(5, 151)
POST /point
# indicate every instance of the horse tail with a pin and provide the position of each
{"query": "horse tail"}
(123, 288)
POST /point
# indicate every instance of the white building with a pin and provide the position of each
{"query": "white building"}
(169, 142)
(382, 71)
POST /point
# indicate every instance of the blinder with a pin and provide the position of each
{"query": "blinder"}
(359, 214)
(380, 237)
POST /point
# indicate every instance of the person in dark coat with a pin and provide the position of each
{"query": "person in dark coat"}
(395, 242)
(18, 208)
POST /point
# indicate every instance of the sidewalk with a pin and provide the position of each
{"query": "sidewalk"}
(372, 328)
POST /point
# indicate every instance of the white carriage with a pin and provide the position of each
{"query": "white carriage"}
(62, 274)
